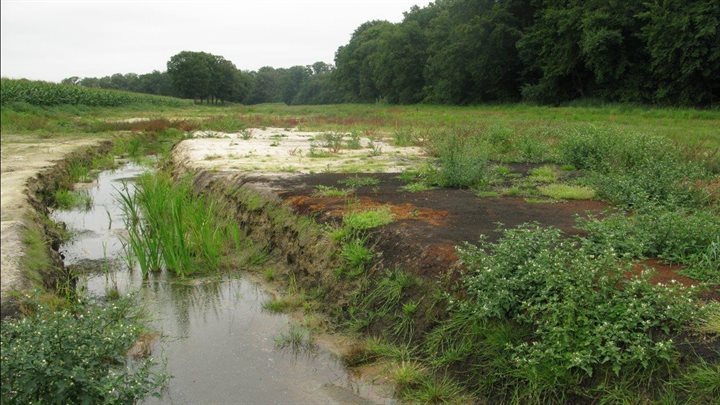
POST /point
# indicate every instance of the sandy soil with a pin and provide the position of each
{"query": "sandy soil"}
(22, 158)
(273, 151)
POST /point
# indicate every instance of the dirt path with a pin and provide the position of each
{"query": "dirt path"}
(22, 158)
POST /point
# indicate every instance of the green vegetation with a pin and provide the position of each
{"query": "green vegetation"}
(75, 354)
(567, 192)
(47, 94)
(297, 339)
(171, 227)
(364, 220)
(329, 191)
(359, 181)
(69, 199)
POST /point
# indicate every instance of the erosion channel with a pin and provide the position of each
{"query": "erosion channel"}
(218, 343)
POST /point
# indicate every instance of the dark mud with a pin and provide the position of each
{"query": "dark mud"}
(428, 223)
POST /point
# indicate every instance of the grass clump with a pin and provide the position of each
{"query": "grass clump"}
(75, 355)
(69, 199)
(356, 254)
(416, 187)
(364, 220)
(329, 191)
(297, 339)
(544, 174)
(359, 181)
(285, 303)
(463, 159)
(169, 226)
(567, 192)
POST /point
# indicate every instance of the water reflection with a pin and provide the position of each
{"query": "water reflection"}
(218, 341)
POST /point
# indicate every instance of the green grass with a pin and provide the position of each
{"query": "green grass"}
(416, 187)
(364, 220)
(356, 254)
(35, 261)
(544, 174)
(171, 227)
(285, 303)
(297, 339)
(329, 191)
(359, 181)
(69, 199)
(567, 192)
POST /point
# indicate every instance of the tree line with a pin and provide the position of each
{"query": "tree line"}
(212, 79)
(474, 51)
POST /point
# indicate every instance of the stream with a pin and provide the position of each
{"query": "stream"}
(216, 340)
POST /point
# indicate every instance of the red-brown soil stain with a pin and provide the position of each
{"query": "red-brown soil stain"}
(427, 224)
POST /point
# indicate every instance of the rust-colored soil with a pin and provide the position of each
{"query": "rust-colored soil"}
(428, 224)
(662, 273)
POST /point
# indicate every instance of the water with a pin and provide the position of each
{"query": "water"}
(218, 342)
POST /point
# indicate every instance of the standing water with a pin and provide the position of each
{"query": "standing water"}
(218, 342)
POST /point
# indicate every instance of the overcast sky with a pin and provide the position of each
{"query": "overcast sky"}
(52, 40)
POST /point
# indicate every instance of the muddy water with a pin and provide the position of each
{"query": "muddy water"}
(218, 343)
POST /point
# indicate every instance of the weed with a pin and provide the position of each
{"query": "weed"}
(360, 181)
(405, 137)
(78, 172)
(168, 225)
(544, 174)
(436, 391)
(353, 141)
(364, 220)
(69, 199)
(297, 339)
(356, 254)
(329, 191)
(93, 370)
(269, 274)
(567, 192)
(285, 303)
(416, 187)
(375, 149)
(533, 276)
(463, 160)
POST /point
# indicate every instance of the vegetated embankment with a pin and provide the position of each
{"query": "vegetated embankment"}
(32, 174)
(502, 319)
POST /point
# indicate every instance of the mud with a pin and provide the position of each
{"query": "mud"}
(428, 224)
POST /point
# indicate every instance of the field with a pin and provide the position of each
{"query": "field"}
(602, 284)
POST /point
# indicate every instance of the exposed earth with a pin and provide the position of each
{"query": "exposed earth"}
(22, 158)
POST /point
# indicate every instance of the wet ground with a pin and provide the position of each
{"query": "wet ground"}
(428, 224)
(218, 342)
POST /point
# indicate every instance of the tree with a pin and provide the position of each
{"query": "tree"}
(192, 74)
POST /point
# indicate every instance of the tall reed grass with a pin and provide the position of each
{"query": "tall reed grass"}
(171, 227)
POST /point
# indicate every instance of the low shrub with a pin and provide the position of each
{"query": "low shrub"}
(673, 235)
(75, 355)
(574, 312)
(463, 159)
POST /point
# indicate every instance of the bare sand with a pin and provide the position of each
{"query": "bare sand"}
(22, 158)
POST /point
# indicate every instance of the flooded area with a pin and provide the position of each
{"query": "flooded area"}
(215, 338)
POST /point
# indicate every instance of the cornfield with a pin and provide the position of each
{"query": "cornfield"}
(45, 93)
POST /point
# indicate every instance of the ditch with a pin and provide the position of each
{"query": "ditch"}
(214, 337)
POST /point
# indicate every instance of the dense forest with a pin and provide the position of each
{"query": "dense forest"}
(473, 51)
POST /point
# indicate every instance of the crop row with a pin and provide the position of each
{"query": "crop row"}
(46, 94)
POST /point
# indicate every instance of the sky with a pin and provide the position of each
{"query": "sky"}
(52, 40)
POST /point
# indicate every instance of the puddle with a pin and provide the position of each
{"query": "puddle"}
(218, 342)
